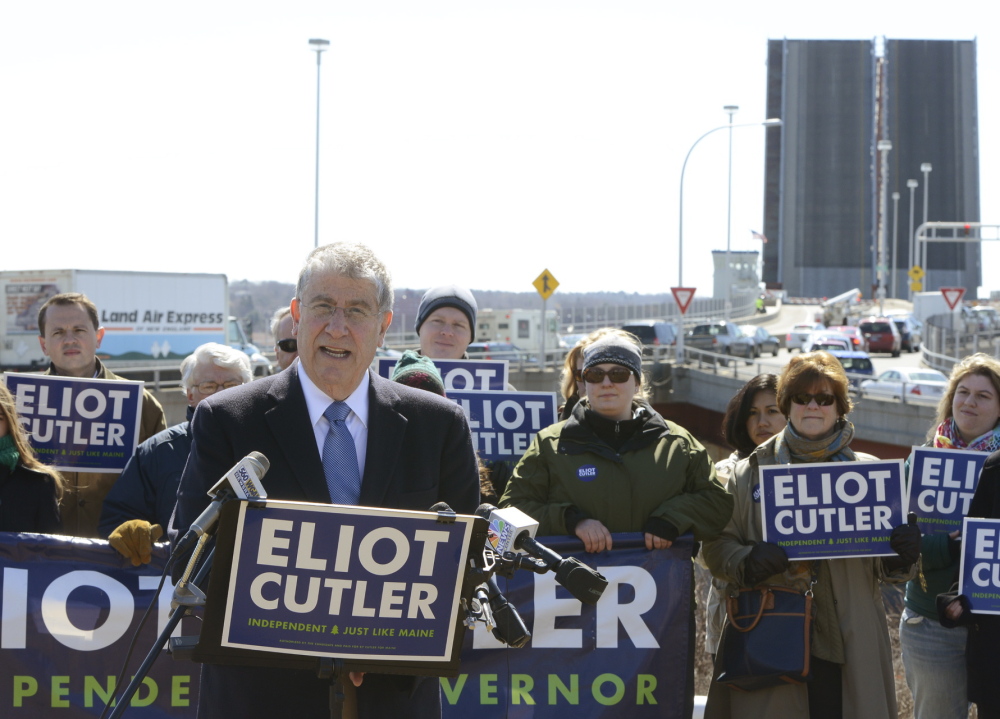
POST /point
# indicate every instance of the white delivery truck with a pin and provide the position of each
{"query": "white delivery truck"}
(522, 328)
(150, 319)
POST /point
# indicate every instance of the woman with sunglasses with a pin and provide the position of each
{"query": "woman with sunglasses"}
(934, 657)
(616, 465)
(850, 660)
(571, 383)
(29, 490)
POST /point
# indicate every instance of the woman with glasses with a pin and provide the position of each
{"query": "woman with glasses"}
(850, 659)
(616, 465)
(29, 490)
(571, 383)
(934, 656)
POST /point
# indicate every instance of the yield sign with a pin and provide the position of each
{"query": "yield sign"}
(952, 295)
(683, 297)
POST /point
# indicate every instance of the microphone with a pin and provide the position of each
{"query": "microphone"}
(508, 627)
(515, 528)
(240, 482)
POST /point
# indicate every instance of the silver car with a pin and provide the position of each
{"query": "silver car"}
(918, 385)
(795, 339)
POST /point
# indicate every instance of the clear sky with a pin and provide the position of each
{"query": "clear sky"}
(465, 141)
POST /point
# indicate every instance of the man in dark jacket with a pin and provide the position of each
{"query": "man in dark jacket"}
(70, 333)
(140, 503)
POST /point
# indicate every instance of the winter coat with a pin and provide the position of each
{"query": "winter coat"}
(83, 492)
(662, 473)
(850, 625)
(147, 487)
(715, 606)
(28, 501)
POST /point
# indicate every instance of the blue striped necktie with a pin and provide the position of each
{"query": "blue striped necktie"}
(340, 458)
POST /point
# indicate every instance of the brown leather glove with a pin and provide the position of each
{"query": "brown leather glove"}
(134, 540)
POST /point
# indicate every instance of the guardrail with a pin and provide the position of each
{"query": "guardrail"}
(943, 344)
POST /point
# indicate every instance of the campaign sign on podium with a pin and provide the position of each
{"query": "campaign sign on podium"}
(942, 482)
(482, 375)
(313, 581)
(831, 510)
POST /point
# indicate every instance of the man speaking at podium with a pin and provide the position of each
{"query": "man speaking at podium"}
(333, 432)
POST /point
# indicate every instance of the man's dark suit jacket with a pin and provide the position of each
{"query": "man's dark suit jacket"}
(419, 453)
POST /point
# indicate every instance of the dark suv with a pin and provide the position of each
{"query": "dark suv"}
(654, 335)
(722, 338)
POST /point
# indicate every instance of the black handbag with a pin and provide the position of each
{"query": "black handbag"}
(766, 641)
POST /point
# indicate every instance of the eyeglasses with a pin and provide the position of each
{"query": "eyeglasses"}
(213, 387)
(354, 316)
(823, 400)
(595, 375)
(289, 345)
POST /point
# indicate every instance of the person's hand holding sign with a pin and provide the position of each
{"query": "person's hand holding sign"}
(134, 540)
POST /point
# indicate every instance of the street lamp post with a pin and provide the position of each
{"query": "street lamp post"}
(926, 169)
(731, 110)
(912, 184)
(883, 147)
(319, 47)
(772, 122)
(895, 241)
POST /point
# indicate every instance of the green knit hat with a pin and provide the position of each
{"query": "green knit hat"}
(415, 370)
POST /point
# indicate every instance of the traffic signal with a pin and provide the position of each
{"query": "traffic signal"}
(966, 229)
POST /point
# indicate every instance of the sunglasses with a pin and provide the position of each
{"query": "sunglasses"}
(823, 400)
(289, 345)
(595, 375)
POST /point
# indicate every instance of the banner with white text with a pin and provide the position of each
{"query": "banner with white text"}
(979, 577)
(942, 482)
(478, 375)
(79, 425)
(832, 510)
(503, 424)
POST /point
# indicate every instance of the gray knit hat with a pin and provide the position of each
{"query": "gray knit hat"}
(614, 350)
(448, 296)
(415, 370)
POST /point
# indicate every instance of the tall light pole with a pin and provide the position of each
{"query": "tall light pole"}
(926, 169)
(731, 110)
(772, 122)
(912, 184)
(895, 241)
(883, 147)
(319, 47)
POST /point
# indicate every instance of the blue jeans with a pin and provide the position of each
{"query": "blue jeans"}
(934, 659)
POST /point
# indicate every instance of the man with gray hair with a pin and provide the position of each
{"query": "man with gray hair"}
(140, 503)
(390, 445)
(285, 344)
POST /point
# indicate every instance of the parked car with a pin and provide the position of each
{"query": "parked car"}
(832, 344)
(495, 350)
(858, 342)
(916, 384)
(821, 339)
(763, 340)
(800, 333)
(882, 335)
(857, 365)
(653, 334)
(720, 337)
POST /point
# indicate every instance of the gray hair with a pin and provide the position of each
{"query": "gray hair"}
(276, 320)
(354, 261)
(221, 356)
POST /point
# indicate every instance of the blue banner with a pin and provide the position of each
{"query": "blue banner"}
(349, 582)
(504, 423)
(832, 510)
(479, 375)
(81, 425)
(70, 607)
(626, 656)
(979, 579)
(942, 482)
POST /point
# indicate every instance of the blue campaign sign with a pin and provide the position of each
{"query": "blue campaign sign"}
(482, 375)
(89, 425)
(625, 657)
(832, 510)
(70, 609)
(349, 582)
(942, 482)
(504, 423)
(979, 578)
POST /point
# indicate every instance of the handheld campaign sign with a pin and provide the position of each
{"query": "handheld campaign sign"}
(380, 589)
(504, 423)
(979, 578)
(832, 510)
(482, 375)
(88, 425)
(942, 482)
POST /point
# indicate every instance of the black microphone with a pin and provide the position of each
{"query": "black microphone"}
(584, 583)
(240, 482)
(508, 627)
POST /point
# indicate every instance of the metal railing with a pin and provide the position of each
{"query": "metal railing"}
(947, 340)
